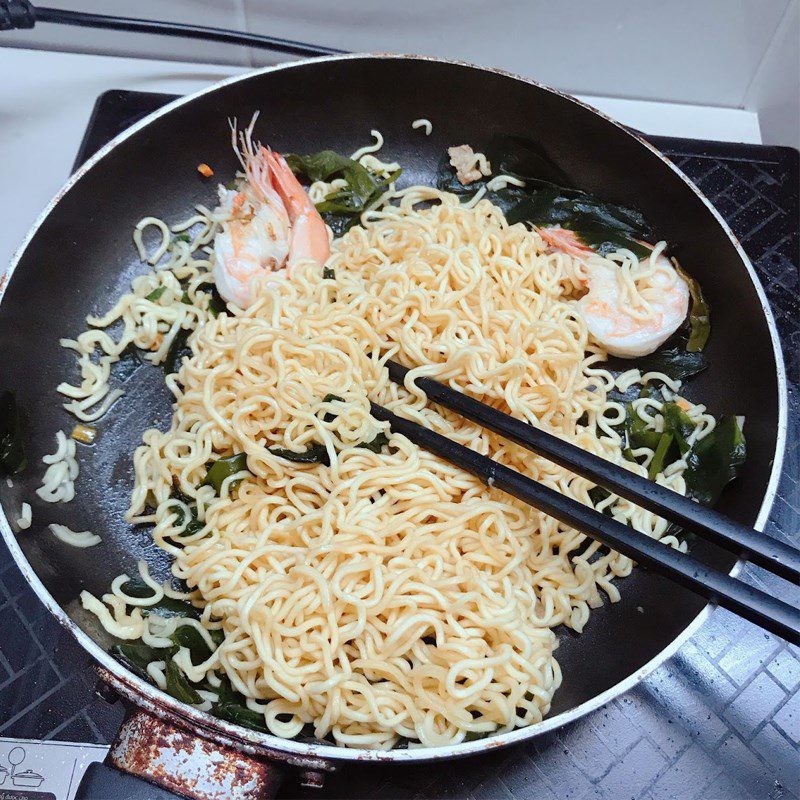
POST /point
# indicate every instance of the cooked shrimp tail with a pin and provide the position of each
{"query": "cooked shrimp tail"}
(565, 240)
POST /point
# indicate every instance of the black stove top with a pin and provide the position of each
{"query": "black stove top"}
(720, 720)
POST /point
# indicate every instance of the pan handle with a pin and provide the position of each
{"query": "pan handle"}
(100, 781)
(150, 750)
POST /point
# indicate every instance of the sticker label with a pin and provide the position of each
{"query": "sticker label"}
(31, 770)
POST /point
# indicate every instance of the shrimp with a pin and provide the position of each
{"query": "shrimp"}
(632, 329)
(565, 240)
(268, 227)
(632, 307)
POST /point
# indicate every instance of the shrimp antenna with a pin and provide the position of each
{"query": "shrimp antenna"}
(242, 141)
(232, 122)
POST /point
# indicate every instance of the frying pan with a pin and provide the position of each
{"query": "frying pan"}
(78, 258)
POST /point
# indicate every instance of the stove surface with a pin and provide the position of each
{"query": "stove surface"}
(720, 720)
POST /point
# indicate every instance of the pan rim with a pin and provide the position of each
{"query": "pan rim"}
(253, 739)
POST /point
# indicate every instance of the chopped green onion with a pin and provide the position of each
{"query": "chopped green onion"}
(679, 424)
(657, 464)
(156, 294)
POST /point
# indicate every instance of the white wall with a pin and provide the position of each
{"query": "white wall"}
(775, 90)
(735, 53)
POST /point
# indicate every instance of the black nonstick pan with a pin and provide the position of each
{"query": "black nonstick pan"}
(79, 258)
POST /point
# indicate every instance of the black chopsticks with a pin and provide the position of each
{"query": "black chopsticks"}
(749, 602)
(777, 557)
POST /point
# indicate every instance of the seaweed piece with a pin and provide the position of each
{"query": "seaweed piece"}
(377, 444)
(637, 433)
(331, 398)
(189, 637)
(342, 208)
(714, 461)
(178, 685)
(216, 305)
(166, 607)
(177, 350)
(12, 447)
(223, 468)
(675, 363)
(240, 715)
(699, 314)
(136, 656)
(546, 200)
(315, 454)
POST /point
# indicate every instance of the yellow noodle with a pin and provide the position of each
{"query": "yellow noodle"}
(388, 594)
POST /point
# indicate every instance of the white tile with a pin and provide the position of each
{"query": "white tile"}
(680, 119)
(213, 13)
(775, 90)
(680, 51)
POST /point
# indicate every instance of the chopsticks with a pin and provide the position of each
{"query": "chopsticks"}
(751, 603)
(777, 557)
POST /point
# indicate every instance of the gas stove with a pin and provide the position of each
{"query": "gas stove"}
(718, 721)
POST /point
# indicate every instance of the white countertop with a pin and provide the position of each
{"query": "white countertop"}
(46, 99)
